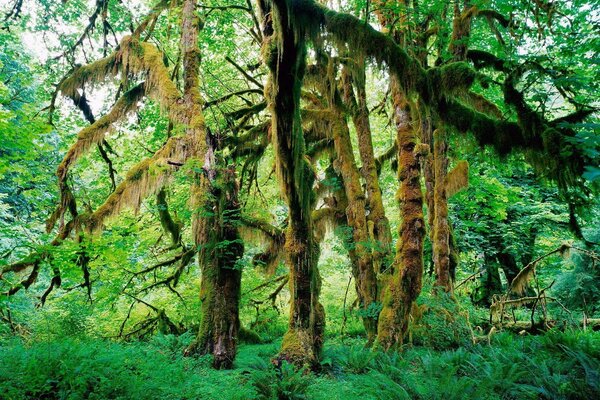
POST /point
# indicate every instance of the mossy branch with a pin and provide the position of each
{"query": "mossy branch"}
(94, 133)
(143, 179)
(364, 39)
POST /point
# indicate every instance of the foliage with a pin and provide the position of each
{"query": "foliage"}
(557, 365)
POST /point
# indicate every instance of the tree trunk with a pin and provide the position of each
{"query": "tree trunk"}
(379, 226)
(405, 285)
(441, 229)
(364, 273)
(285, 54)
(489, 283)
(429, 178)
(216, 211)
(220, 250)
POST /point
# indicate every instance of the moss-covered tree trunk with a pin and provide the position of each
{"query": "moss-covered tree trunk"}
(220, 250)
(363, 270)
(214, 224)
(378, 224)
(285, 55)
(428, 173)
(405, 285)
(441, 229)
(490, 283)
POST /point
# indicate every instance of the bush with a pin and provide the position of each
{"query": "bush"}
(440, 323)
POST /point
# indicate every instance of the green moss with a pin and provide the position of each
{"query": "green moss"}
(297, 348)
(453, 78)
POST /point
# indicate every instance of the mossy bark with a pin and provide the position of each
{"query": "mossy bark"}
(406, 283)
(428, 175)
(214, 196)
(170, 226)
(379, 226)
(441, 229)
(461, 30)
(284, 52)
(363, 270)
(220, 248)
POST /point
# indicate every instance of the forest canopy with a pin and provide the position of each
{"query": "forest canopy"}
(347, 197)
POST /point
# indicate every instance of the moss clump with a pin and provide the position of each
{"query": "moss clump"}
(439, 323)
(458, 178)
(451, 78)
(297, 348)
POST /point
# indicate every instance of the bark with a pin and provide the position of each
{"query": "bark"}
(429, 177)
(441, 229)
(169, 225)
(220, 251)
(379, 226)
(406, 283)
(285, 55)
(216, 217)
(489, 283)
(363, 270)
(461, 30)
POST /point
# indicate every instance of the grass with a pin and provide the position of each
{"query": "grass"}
(554, 366)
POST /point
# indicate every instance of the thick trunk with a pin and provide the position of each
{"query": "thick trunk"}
(405, 285)
(490, 283)
(221, 248)
(285, 55)
(216, 212)
(441, 229)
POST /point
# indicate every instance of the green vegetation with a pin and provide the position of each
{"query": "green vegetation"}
(299, 199)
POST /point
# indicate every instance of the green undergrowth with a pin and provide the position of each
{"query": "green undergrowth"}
(553, 366)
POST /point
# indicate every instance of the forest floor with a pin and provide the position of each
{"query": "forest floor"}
(552, 366)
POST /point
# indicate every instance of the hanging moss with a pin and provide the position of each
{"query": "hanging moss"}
(93, 73)
(284, 51)
(95, 132)
(458, 178)
(479, 103)
(451, 79)
(365, 40)
(145, 178)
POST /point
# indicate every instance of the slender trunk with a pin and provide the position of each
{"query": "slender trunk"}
(429, 177)
(441, 229)
(405, 285)
(285, 54)
(379, 226)
(364, 273)
(461, 30)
